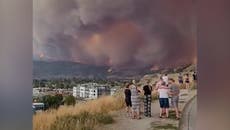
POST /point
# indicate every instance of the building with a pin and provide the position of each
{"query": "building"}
(84, 92)
(36, 92)
(93, 93)
(113, 91)
(76, 92)
(91, 90)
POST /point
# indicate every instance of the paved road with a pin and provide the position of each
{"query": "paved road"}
(188, 121)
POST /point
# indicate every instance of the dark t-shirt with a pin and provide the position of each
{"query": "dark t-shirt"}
(127, 93)
(147, 90)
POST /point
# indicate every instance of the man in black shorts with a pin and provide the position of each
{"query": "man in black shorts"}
(128, 99)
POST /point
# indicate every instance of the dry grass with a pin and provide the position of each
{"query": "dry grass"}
(44, 120)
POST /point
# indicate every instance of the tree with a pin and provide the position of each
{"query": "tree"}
(70, 100)
(52, 101)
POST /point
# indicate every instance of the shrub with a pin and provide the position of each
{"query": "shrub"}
(82, 121)
(103, 118)
(105, 105)
(52, 101)
(70, 100)
(154, 96)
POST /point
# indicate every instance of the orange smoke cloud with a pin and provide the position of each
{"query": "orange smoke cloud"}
(111, 46)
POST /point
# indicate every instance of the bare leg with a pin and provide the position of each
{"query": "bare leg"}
(161, 112)
(177, 112)
(138, 114)
(167, 112)
(130, 112)
(133, 114)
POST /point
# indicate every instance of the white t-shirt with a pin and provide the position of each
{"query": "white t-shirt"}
(165, 79)
(163, 93)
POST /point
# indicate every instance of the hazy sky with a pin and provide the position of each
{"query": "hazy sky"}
(118, 33)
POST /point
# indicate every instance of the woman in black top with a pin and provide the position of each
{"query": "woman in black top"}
(147, 99)
(128, 99)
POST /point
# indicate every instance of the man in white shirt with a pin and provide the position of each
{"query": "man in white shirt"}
(163, 92)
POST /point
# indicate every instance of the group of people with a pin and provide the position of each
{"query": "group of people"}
(168, 93)
(181, 79)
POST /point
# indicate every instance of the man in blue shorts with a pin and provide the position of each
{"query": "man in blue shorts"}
(163, 99)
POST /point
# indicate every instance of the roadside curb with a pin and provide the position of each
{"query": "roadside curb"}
(183, 111)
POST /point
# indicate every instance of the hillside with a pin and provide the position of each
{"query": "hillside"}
(66, 69)
(172, 73)
(60, 69)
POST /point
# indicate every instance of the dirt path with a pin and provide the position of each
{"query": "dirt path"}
(125, 123)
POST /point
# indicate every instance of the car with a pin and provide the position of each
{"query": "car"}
(33, 109)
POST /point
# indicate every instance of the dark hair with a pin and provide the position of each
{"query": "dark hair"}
(127, 85)
(166, 74)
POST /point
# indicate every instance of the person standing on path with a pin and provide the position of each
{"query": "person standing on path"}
(180, 79)
(163, 99)
(128, 102)
(194, 76)
(135, 100)
(174, 93)
(187, 81)
(147, 99)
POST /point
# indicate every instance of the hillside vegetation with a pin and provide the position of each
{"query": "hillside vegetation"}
(83, 116)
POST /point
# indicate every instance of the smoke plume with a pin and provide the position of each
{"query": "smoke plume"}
(116, 33)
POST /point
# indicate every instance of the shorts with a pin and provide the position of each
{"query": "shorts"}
(128, 102)
(181, 81)
(175, 101)
(136, 108)
(164, 102)
(187, 81)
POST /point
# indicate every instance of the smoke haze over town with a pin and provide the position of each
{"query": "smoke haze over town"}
(115, 33)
